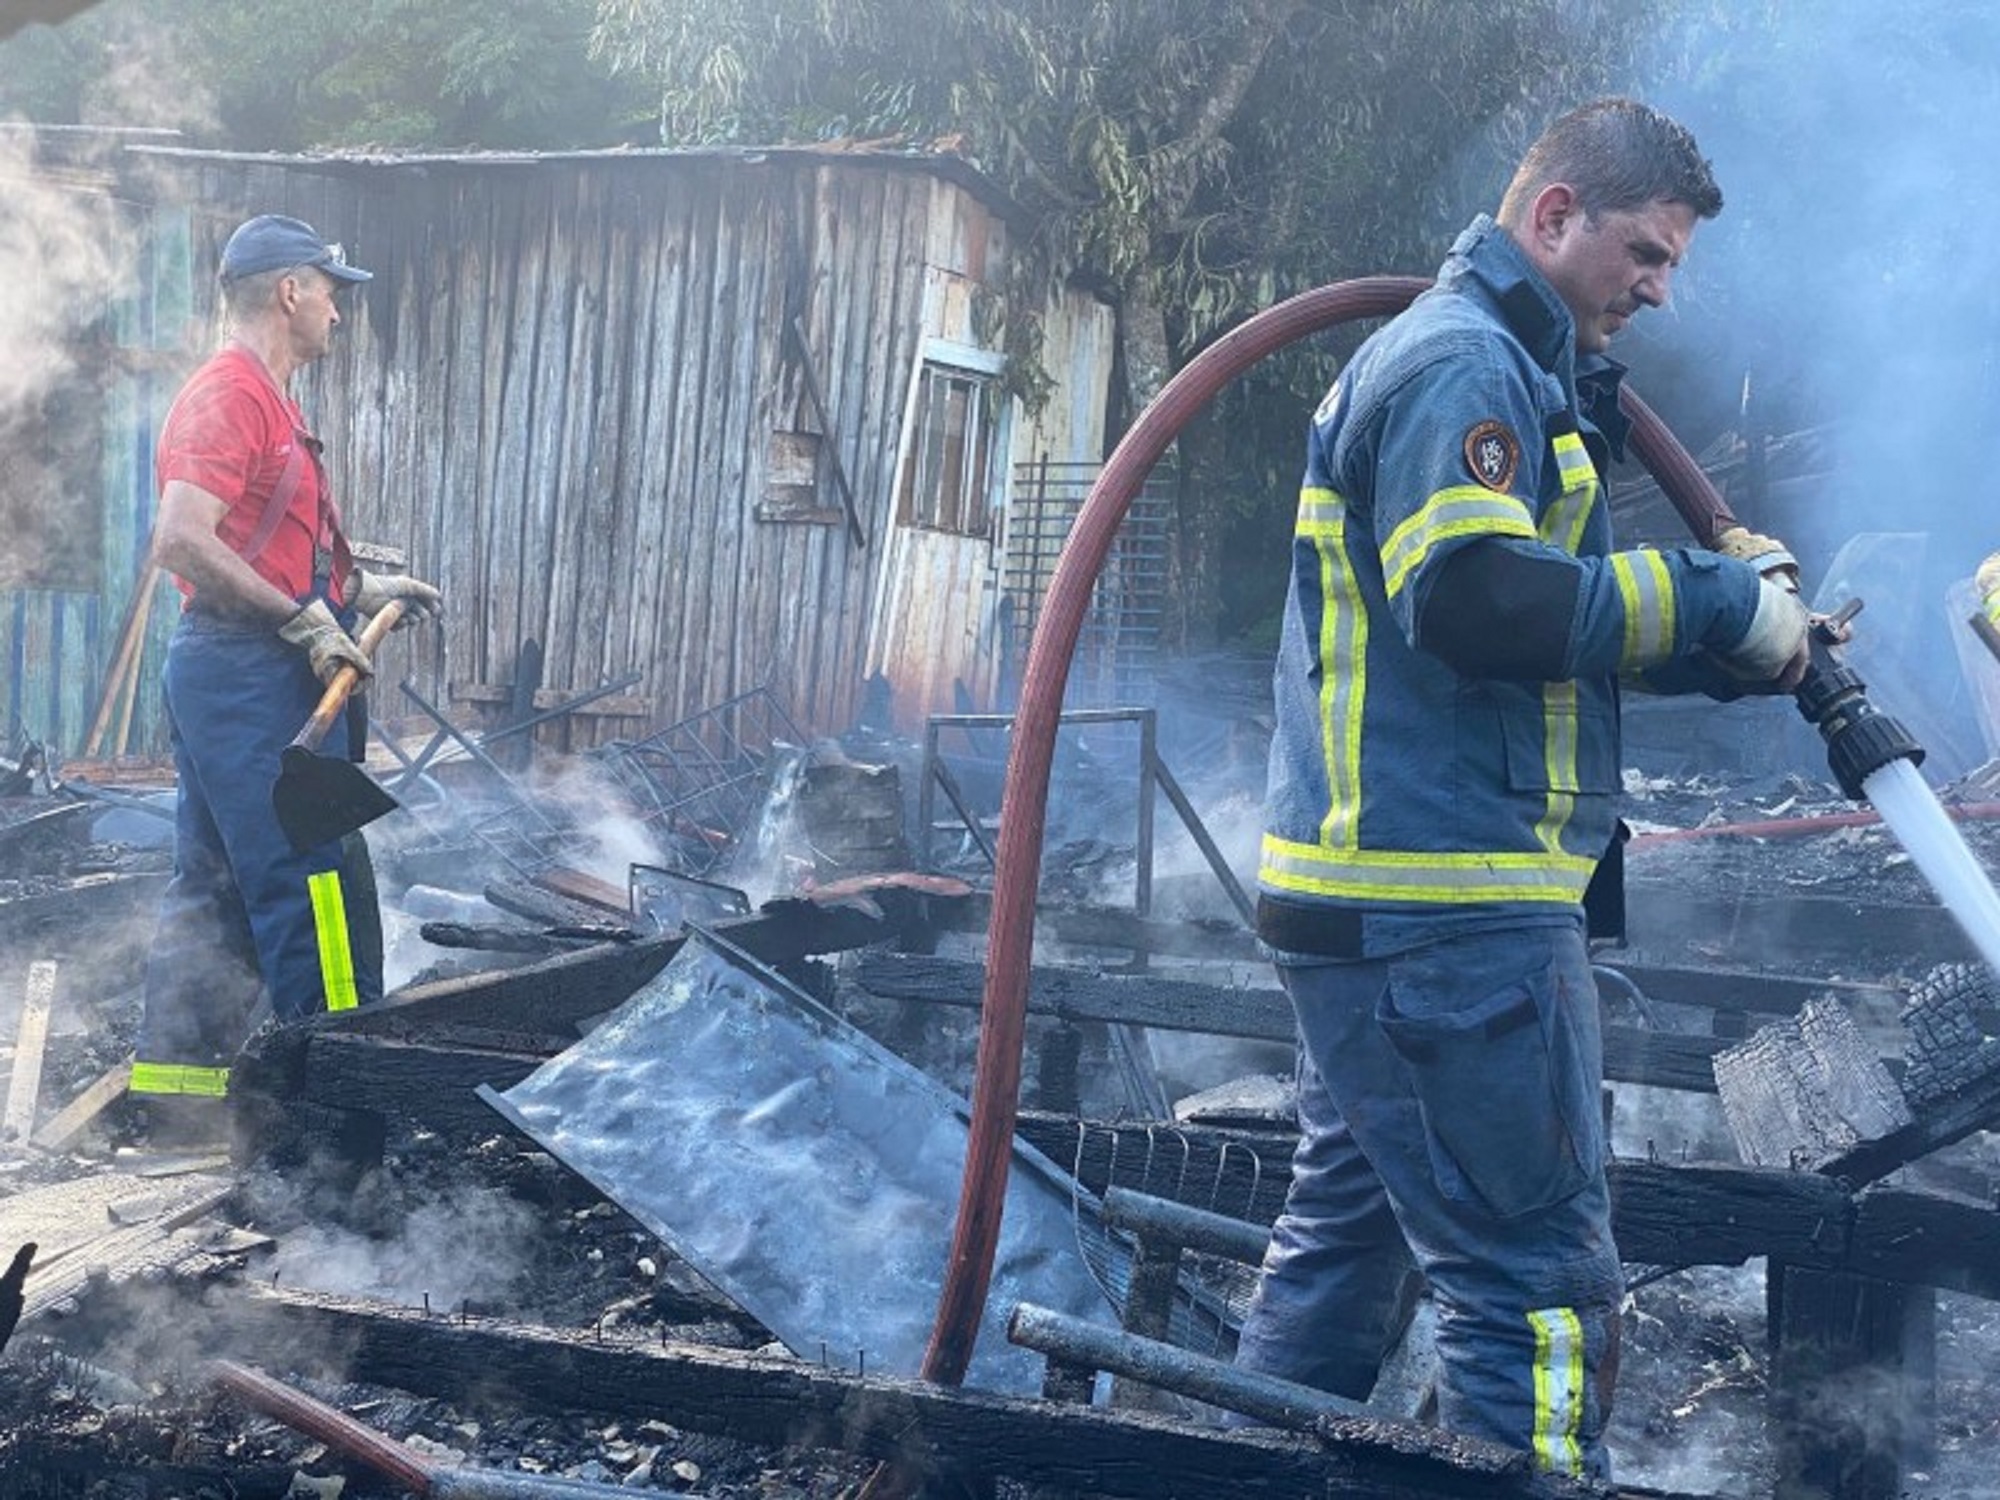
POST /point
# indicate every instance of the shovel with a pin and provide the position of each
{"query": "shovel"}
(317, 798)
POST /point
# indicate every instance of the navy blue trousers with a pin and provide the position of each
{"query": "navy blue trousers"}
(1449, 1116)
(246, 914)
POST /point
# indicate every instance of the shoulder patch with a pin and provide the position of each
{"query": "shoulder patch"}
(1493, 454)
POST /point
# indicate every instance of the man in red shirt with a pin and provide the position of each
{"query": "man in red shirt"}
(251, 532)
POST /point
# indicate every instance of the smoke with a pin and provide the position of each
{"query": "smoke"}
(1843, 288)
(461, 1244)
(66, 254)
(70, 240)
(1844, 276)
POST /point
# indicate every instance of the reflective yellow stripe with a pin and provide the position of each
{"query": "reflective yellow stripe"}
(1993, 609)
(1318, 509)
(336, 959)
(1564, 521)
(1343, 660)
(1646, 590)
(1558, 1388)
(178, 1078)
(1559, 734)
(1463, 510)
(1423, 875)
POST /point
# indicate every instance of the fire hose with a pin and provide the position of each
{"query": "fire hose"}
(1859, 741)
(414, 1471)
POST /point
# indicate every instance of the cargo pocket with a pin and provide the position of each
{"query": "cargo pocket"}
(1499, 1093)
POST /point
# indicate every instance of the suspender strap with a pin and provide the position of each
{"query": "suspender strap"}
(282, 495)
(289, 478)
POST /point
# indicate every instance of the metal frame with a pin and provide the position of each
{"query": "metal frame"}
(1153, 775)
(707, 771)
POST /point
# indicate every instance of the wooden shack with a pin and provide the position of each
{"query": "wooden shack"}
(730, 419)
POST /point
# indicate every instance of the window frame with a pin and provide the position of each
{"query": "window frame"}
(973, 505)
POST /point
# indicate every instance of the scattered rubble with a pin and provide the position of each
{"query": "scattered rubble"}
(448, 1218)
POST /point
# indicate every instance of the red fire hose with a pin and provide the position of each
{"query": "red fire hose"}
(413, 1471)
(1024, 796)
(1024, 800)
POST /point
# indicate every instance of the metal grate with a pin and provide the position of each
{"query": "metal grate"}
(699, 785)
(1119, 648)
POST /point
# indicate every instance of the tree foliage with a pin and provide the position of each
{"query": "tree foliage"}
(1207, 155)
(300, 74)
(1192, 160)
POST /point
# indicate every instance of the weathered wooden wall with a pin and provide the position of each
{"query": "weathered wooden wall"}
(55, 641)
(559, 397)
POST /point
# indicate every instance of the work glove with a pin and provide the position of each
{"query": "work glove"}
(1988, 579)
(316, 632)
(1776, 638)
(368, 592)
(1766, 554)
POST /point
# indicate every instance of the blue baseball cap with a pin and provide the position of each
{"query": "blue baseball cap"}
(272, 242)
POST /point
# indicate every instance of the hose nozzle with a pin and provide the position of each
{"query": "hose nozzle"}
(1860, 738)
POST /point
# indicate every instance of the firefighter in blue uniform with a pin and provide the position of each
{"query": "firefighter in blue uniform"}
(1441, 792)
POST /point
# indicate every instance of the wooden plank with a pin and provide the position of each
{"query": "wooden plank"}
(24, 1080)
(420, 1081)
(69, 1122)
(1928, 1239)
(1720, 1214)
(1743, 990)
(1836, 934)
(1836, 1336)
(793, 1403)
(580, 886)
(1800, 1091)
(1660, 1059)
(109, 1225)
(1078, 994)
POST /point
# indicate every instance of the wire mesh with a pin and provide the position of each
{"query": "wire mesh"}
(1214, 1294)
(1118, 651)
(699, 785)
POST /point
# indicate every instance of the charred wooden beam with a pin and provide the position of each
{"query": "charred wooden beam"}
(1834, 934)
(427, 1081)
(12, 1295)
(1662, 1214)
(1804, 1089)
(487, 938)
(539, 903)
(929, 1429)
(1842, 935)
(1663, 1059)
(536, 1010)
(1853, 1383)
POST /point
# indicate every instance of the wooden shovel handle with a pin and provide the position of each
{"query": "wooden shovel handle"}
(334, 699)
(124, 666)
